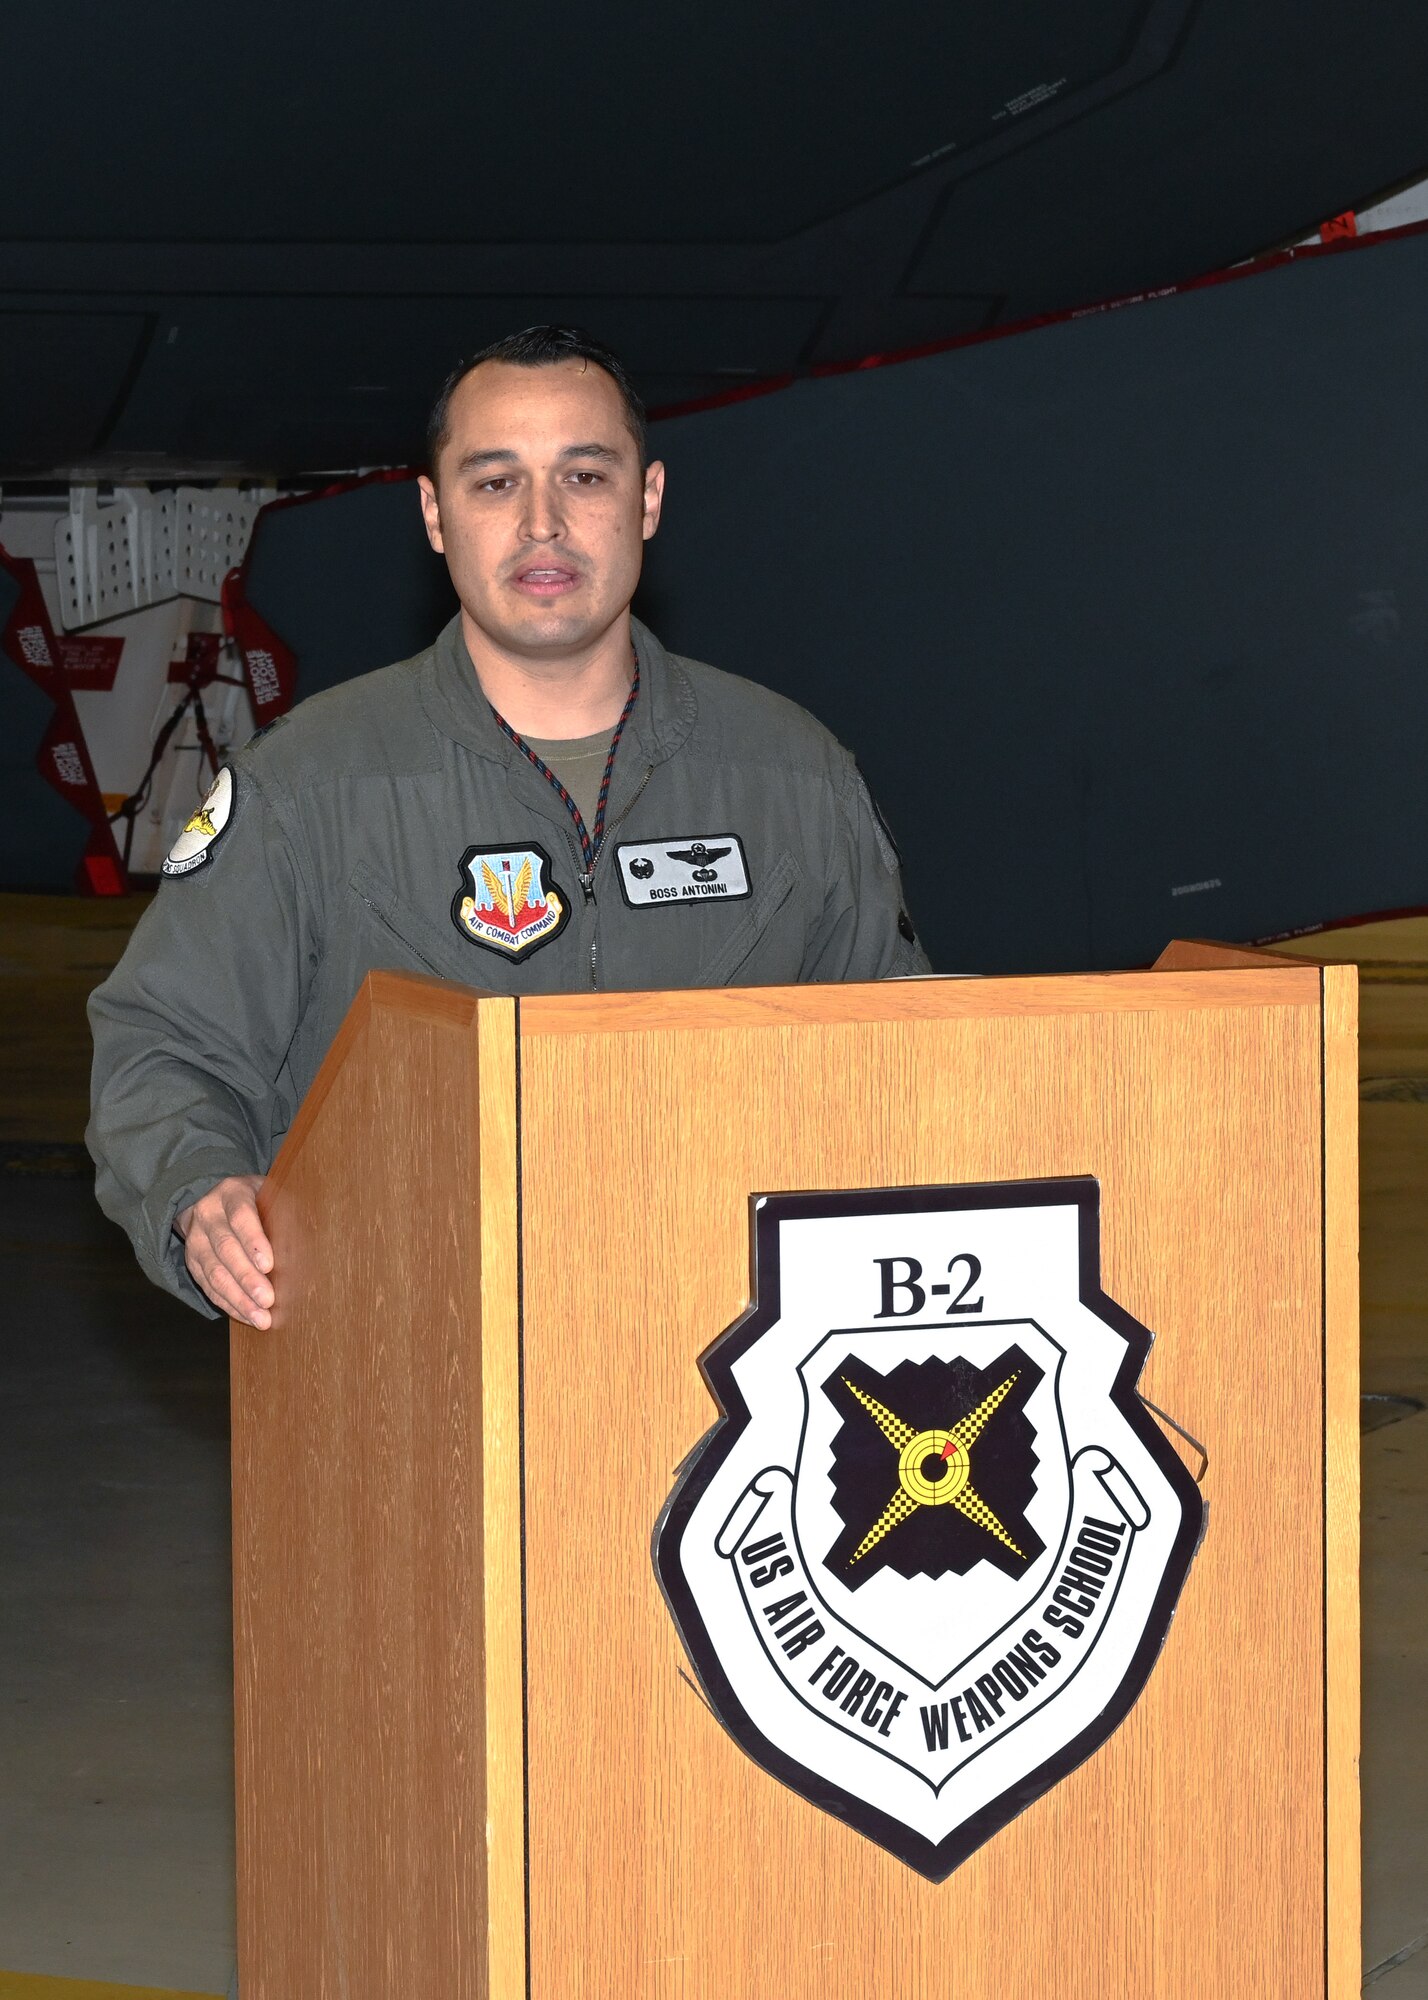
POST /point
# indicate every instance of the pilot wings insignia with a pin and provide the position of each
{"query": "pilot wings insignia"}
(698, 856)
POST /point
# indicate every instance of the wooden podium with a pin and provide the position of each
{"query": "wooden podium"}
(471, 1756)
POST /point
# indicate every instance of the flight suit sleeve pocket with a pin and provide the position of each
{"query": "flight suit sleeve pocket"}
(741, 951)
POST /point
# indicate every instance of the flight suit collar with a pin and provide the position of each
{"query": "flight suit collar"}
(659, 723)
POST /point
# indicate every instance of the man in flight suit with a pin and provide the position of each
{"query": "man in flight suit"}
(544, 801)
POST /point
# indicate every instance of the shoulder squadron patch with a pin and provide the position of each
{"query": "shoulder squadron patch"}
(926, 1563)
(507, 900)
(684, 869)
(204, 829)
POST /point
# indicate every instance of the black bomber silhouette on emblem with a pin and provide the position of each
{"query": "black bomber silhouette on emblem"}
(700, 858)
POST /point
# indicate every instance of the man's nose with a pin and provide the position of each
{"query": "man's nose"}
(545, 517)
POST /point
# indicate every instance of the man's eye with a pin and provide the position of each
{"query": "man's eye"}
(587, 478)
(497, 485)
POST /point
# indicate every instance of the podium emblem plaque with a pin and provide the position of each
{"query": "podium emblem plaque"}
(926, 1560)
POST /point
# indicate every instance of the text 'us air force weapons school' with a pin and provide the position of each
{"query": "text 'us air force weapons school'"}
(927, 1560)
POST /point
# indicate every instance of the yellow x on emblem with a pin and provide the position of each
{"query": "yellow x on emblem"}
(934, 1468)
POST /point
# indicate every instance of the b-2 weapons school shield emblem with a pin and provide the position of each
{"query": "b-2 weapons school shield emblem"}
(926, 1561)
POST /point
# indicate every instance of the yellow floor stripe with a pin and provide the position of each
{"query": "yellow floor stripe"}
(35, 1986)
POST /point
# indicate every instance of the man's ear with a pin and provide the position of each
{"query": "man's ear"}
(431, 513)
(654, 496)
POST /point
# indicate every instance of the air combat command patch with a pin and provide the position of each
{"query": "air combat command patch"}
(506, 900)
(927, 1559)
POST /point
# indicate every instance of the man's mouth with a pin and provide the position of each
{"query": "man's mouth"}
(546, 579)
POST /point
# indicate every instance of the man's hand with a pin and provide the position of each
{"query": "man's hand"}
(227, 1254)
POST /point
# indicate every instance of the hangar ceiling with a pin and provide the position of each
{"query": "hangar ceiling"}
(256, 242)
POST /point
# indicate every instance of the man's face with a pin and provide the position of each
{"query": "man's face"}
(539, 505)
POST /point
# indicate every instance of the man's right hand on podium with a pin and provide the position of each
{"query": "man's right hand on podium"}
(226, 1250)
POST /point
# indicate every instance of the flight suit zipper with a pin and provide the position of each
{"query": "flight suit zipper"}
(586, 877)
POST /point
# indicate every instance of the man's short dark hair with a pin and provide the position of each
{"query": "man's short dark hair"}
(539, 347)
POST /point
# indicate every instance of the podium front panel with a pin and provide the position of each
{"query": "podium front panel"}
(1190, 1854)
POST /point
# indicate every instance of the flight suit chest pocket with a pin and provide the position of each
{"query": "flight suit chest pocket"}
(425, 943)
(766, 947)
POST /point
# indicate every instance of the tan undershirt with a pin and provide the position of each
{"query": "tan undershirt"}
(579, 763)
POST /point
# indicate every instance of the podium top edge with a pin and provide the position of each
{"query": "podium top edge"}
(922, 999)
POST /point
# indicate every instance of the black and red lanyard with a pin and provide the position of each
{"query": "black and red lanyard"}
(590, 843)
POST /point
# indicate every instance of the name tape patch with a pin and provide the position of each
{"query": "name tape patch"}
(706, 868)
